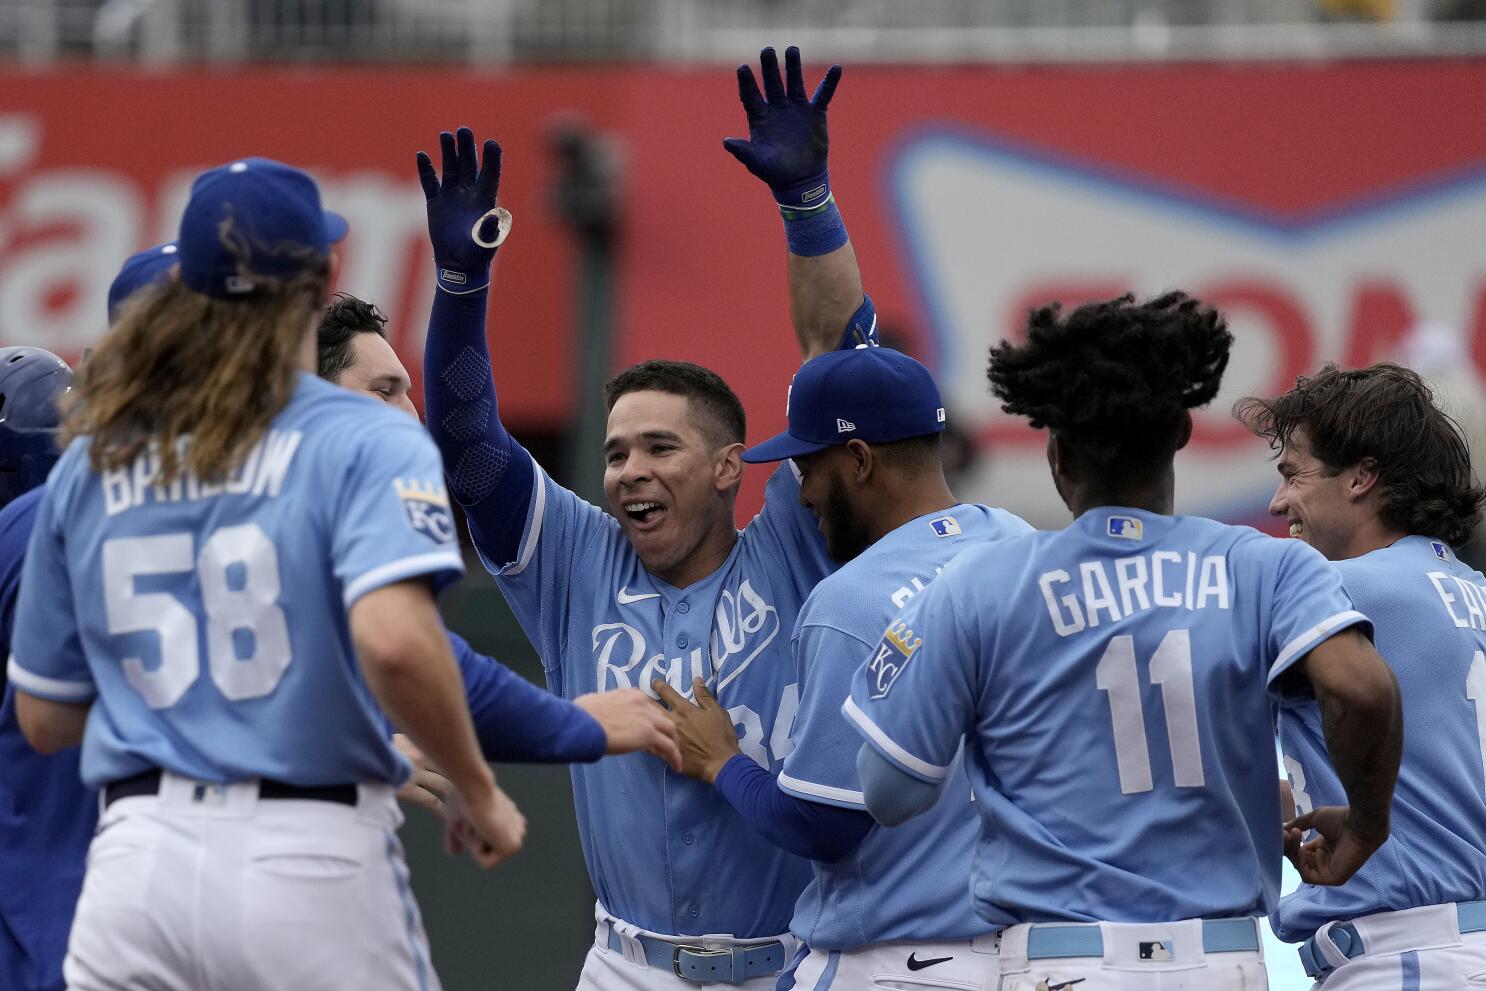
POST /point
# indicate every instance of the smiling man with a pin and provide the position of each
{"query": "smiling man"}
(666, 587)
(1375, 477)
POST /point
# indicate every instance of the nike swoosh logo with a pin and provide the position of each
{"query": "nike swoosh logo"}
(625, 597)
(914, 964)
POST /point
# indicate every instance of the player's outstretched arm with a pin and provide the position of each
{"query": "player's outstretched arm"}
(487, 471)
(50, 726)
(518, 722)
(710, 754)
(1362, 717)
(787, 146)
(403, 650)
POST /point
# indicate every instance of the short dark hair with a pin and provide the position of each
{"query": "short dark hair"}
(343, 319)
(910, 453)
(708, 393)
(1113, 379)
(1387, 413)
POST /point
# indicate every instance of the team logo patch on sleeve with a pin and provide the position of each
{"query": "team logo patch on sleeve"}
(946, 526)
(427, 507)
(894, 652)
(1127, 527)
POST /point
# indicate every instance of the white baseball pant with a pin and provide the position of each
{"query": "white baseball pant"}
(1167, 956)
(1416, 949)
(624, 969)
(208, 888)
(909, 965)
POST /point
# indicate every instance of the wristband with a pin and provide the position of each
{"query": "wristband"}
(814, 232)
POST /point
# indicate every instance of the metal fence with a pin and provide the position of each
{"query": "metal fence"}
(501, 31)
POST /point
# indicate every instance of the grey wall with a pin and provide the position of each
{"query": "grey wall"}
(526, 925)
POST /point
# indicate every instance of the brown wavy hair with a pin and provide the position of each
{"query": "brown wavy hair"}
(1387, 413)
(179, 364)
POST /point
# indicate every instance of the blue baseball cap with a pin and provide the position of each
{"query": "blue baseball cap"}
(141, 269)
(868, 393)
(253, 217)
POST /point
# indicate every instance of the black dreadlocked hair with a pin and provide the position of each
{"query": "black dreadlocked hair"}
(1112, 379)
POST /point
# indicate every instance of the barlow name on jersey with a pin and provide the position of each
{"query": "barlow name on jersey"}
(260, 472)
(1164, 579)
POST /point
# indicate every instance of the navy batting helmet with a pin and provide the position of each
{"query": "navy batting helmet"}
(31, 382)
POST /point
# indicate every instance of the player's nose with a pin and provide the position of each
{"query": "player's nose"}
(1278, 504)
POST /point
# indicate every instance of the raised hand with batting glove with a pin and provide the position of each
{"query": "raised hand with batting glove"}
(464, 223)
(787, 137)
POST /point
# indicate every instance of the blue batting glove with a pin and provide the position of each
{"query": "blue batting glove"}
(457, 203)
(787, 140)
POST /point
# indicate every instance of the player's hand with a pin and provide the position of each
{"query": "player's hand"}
(427, 788)
(632, 722)
(489, 826)
(787, 139)
(1336, 851)
(704, 730)
(461, 198)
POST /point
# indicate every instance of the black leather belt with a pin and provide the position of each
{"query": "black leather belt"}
(148, 783)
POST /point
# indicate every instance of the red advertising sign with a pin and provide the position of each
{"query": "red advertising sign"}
(1332, 210)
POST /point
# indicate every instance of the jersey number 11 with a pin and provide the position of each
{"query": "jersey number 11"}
(1171, 668)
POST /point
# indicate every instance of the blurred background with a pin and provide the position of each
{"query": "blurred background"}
(1317, 168)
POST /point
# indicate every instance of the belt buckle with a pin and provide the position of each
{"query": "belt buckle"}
(700, 951)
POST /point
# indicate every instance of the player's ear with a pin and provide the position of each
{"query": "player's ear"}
(1184, 430)
(860, 459)
(1364, 478)
(728, 467)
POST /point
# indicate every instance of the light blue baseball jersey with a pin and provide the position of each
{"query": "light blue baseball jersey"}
(892, 886)
(1113, 681)
(208, 622)
(1429, 611)
(667, 853)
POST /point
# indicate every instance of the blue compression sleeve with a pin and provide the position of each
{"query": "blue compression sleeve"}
(489, 474)
(893, 797)
(807, 829)
(515, 721)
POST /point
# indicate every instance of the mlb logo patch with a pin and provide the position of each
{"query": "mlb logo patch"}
(1441, 551)
(427, 507)
(946, 526)
(894, 652)
(1156, 951)
(1127, 527)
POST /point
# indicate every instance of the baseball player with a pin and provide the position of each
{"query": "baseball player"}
(514, 720)
(1113, 681)
(667, 587)
(213, 556)
(1375, 477)
(878, 908)
(39, 796)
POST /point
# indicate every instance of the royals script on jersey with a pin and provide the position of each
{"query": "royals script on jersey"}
(209, 620)
(1113, 681)
(667, 853)
(1429, 611)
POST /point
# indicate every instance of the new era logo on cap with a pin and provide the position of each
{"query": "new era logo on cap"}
(871, 394)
